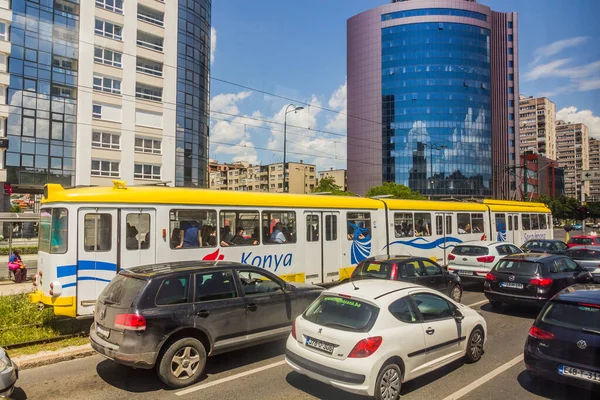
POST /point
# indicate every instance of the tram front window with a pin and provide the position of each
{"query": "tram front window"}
(53, 231)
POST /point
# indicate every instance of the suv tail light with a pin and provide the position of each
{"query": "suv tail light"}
(294, 329)
(486, 259)
(490, 277)
(394, 274)
(132, 322)
(366, 347)
(451, 257)
(541, 282)
(541, 334)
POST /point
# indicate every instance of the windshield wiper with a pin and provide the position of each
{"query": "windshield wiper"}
(590, 331)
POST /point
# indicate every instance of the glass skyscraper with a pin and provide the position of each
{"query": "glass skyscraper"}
(431, 89)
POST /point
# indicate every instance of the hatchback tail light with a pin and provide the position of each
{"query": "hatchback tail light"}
(132, 322)
(486, 259)
(451, 257)
(366, 347)
(490, 277)
(541, 282)
(294, 329)
(541, 334)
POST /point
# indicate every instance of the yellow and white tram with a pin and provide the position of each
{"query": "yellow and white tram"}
(87, 235)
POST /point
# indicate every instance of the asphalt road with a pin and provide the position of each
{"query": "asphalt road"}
(260, 373)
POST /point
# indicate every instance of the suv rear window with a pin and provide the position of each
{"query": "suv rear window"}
(573, 315)
(518, 267)
(581, 241)
(373, 269)
(342, 313)
(537, 245)
(584, 254)
(470, 251)
(122, 290)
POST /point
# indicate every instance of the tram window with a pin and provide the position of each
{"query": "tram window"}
(279, 227)
(535, 224)
(448, 225)
(501, 222)
(510, 223)
(464, 223)
(359, 225)
(525, 222)
(193, 228)
(239, 228)
(477, 222)
(403, 225)
(97, 232)
(53, 230)
(439, 228)
(516, 217)
(543, 220)
(312, 228)
(330, 227)
(422, 224)
(137, 232)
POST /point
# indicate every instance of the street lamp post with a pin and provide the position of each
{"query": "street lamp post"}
(295, 109)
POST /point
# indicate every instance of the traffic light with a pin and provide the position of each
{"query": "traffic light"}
(582, 211)
(8, 189)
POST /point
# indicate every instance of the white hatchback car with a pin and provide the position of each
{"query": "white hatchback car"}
(369, 337)
(473, 260)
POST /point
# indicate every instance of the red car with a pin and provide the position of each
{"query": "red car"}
(584, 240)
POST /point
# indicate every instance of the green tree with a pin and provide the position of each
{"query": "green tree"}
(328, 185)
(562, 207)
(593, 208)
(15, 208)
(397, 191)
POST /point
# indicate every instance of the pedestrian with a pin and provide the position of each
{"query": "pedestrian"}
(17, 266)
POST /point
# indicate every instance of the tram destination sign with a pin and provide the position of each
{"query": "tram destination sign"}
(591, 175)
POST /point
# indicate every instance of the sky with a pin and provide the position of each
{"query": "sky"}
(297, 50)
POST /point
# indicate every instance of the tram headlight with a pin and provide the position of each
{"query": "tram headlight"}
(55, 288)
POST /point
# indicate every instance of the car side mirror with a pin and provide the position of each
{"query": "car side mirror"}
(458, 315)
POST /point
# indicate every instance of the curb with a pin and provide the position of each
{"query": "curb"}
(53, 357)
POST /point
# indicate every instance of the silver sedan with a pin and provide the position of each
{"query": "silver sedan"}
(8, 374)
(588, 257)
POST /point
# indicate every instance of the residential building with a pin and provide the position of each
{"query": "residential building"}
(301, 178)
(340, 177)
(537, 125)
(573, 154)
(108, 89)
(544, 177)
(433, 98)
(5, 46)
(594, 165)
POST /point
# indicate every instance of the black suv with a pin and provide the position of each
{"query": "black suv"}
(174, 315)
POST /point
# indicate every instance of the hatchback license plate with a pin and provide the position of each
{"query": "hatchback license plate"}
(579, 373)
(102, 331)
(511, 285)
(319, 345)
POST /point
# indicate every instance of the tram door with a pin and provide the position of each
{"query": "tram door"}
(443, 228)
(323, 255)
(96, 255)
(138, 237)
(513, 235)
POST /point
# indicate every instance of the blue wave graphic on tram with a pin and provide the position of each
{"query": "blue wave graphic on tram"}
(501, 230)
(424, 244)
(361, 246)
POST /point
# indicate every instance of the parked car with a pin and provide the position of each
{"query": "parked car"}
(588, 257)
(369, 337)
(549, 246)
(419, 270)
(473, 260)
(9, 373)
(577, 227)
(583, 240)
(564, 341)
(174, 315)
(531, 278)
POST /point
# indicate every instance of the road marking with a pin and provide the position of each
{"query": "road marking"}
(229, 378)
(474, 385)
(478, 303)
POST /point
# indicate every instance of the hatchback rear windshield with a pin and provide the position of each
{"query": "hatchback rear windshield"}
(537, 245)
(584, 254)
(122, 290)
(573, 315)
(373, 269)
(342, 313)
(518, 267)
(581, 241)
(470, 251)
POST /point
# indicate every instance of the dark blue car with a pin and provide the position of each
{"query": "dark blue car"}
(564, 342)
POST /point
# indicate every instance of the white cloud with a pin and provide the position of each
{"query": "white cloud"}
(587, 117)
(556, 47)
(228, 102)
(243, 151)
(552, 68)
(213, 44)
(338, 101)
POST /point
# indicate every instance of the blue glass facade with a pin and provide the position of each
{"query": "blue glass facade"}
(436, 108)
(434, 11)
(193, 63)
(42, 94)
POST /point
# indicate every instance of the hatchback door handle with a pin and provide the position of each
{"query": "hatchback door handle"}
(251, 307)
(430, 331)
(203, 313)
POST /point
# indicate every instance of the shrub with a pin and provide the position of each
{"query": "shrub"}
(4, 251)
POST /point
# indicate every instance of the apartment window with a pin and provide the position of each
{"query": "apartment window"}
(511, 77)
(105, 168)
(63, 91)
(146, 171)
(511, 90)
(149, 41)
(510, 38)
(511, 64)
(96, 111)
(144, 145)
(111, 5)
(105, 84)
(108, 57)
(66, 6)
(149, 67)
(511, 103)
(64, 63)
(510, 50)
(510, 24)
(148, 92)
(108, 29)
(150, 15)
(511, 129)
(106, 140)
(3, 35)
(511, 117)
(511, 143)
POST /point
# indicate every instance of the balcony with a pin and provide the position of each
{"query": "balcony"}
(151, 16)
